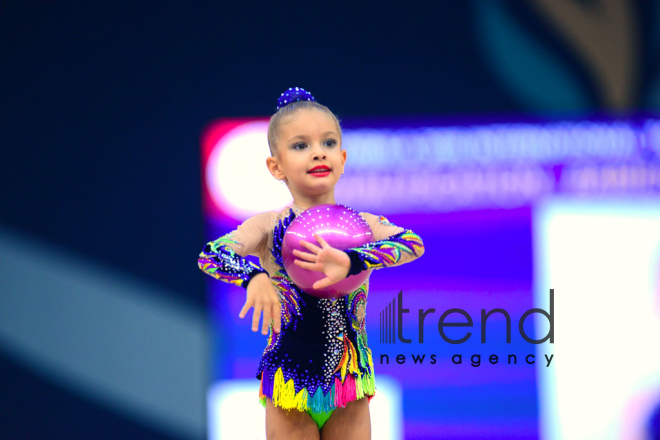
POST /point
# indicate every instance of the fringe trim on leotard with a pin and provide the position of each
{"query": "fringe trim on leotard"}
(284, 395)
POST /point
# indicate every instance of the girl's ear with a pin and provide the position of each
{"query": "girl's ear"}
(343, 155)
(274, 168)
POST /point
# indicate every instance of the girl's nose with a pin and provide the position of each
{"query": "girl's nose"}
(319, 153)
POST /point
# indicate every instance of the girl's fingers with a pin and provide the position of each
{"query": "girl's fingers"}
(310, 246)
(320, 240)
(255, 317)
(245, 309)
(320, 284)
(306, 265)
(306, 255)
(266, 322)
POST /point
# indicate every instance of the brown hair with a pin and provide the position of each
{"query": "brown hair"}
(283, 112)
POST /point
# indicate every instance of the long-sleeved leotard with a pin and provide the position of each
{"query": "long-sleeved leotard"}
(223, 258)
(320, 359)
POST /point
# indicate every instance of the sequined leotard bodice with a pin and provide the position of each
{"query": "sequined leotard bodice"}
(320, 359)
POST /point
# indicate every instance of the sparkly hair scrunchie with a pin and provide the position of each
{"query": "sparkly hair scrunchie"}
(292, 95)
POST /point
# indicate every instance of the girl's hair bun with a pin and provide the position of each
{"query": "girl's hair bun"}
(292, 95)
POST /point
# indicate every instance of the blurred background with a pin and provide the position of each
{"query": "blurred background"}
(521, 140)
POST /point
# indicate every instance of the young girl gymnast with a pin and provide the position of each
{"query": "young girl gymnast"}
(317, 368)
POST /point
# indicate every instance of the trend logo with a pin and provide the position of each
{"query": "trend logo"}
(391, 323)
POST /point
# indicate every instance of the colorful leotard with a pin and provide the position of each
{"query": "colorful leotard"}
(320, 359)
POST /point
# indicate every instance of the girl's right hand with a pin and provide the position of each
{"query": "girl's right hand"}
(262, 296)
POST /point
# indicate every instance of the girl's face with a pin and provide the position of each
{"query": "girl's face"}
(309, 154)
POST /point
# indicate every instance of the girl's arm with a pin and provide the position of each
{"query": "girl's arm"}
(223, 258)
(393, 246)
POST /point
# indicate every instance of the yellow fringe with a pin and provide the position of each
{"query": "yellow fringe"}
(284, 394)
(300, 401)
(359, 392)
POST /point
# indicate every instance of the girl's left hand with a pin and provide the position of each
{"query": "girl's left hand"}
(334, 263)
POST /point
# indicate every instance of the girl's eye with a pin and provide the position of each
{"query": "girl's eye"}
(299, 146)
(330, 143)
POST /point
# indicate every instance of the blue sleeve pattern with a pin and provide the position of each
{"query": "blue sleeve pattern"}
(220, 261)
(396, 249)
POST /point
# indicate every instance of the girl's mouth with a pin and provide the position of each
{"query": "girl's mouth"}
(320, 171)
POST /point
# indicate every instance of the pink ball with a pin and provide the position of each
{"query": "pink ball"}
(342, 228)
